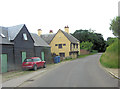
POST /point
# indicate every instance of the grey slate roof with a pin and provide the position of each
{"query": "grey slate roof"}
(71, 38)
(47, 37)
(4, 40)
(38, 40)
(10, 33)
(14, 30)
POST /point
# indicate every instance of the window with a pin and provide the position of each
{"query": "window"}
(60, 45)
(74, 45)
(64, 44)
(3, 36)
(25, 36)
(55, 44)
(71, 46)
(37, 59)
(77, 46)
(28, 60)
(62, 54)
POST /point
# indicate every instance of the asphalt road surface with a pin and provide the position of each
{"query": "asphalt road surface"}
(83, 72)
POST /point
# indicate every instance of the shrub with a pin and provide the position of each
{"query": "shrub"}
(67, 58)
(94, 51)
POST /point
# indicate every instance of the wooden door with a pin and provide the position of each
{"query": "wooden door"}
(23, 56)
(42, 54)
(3, 63)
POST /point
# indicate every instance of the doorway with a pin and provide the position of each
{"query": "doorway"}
(3, 63)
(23, 56)
(42, 54)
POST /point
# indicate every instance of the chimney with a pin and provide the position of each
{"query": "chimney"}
(67, 29)
(51, 31)
(39, 32)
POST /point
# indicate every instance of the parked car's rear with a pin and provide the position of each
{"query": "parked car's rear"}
(33, 63)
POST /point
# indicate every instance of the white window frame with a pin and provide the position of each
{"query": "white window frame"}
(2, 35)
(25, 36)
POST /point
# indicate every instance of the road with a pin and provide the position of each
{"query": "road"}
(83, 72)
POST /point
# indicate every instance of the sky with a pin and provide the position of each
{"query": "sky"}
(56, 14)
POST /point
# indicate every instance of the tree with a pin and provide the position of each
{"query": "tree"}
(91, 36)
(86, 45)
(115, 26)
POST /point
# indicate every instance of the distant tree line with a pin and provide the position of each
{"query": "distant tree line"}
(96, 39)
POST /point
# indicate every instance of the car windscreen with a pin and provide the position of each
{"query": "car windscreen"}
(36, 59)
(28, 60)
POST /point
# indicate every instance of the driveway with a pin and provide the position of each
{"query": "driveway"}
(83, 72)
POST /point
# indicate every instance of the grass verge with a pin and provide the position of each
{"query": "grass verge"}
(110, 58)
(81, 56)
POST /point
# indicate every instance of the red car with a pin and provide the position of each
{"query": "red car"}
(33, 63)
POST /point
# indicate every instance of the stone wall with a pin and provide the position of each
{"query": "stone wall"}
(83, 52)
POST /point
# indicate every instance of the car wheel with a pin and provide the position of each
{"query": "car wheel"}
(44, 66)
(35, 67)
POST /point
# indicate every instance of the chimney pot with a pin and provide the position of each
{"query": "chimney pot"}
(39, 32)
(67, 29)
(51, 31)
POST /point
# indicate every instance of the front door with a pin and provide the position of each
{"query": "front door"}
(23, 56)
(42, 54)
(3, 63)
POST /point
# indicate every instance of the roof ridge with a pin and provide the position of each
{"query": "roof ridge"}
(39, 41)
(16, 25)
(66, 34)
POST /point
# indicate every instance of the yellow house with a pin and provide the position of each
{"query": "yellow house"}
(62, 43)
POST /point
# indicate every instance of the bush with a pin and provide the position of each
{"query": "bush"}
(86, 45)
(68, 58)
(94, 51)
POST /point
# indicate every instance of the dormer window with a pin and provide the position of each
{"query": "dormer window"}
(2, 35)
(25, 36)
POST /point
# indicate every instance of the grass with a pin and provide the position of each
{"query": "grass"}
(110, 58)
(81, 56)
(68, 59)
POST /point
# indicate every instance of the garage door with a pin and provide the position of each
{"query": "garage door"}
(3, 63)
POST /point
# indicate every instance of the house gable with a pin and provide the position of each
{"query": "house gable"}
(23, 46)
(20, 42)
(60, 38)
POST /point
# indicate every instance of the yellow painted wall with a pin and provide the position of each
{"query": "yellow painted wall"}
(78, 47)
(60, 38)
